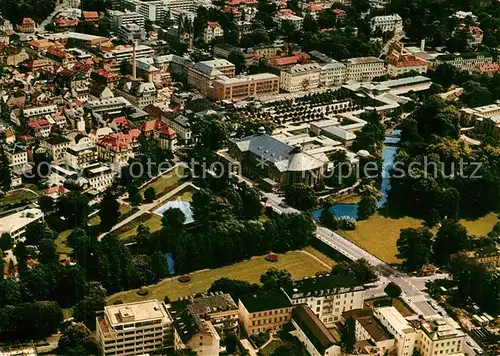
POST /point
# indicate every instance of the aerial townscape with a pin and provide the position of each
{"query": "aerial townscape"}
(250, 177)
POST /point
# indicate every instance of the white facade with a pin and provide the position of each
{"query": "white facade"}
(387, 23)
(80, 155)
(99, 177)
(364, 69)
(17, 156)
(405, 335)
(154, 11)
(212, 31)
(333, 74)
(294, 19)
(15, 224)
(134, 328)
(125, 53)
(181, 126)
(441, 337)
(300, 77)
(126, 18)
(132, 33)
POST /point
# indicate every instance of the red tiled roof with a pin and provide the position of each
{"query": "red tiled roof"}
(38, 124)
(213, 24)
(119, 141)
(28, 21)
(159, 126)
(408, 61)
(57, 189)
(474, 29)
(490, 68)
(90, 15)
(58, 53)
(66, 22)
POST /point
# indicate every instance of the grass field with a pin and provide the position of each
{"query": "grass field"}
(298, 264)
(154, 223)
(166, 182)
(96, 220)
(481, 226)
(379, 234)
(320, 255)
(16, 197)
(60, 242)
(271, 347)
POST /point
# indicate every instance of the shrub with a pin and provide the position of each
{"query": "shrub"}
(142, 292)
(184, 279)
(272, 257)
(117, 302)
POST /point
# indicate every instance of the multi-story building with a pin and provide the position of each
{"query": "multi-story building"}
(132, 33)
(60, 57)
(138, 93)
(406, 336)
(15, 224)
(27, 25)
(39, 112)
(300, 77)
(99, 176)
(134, 329)
(265, 311)
(126, 18)
(488, 255)
(368, 328)
(40, 127)
(364, 69)
(317, 339)
(440, 337)
(56, 146)
(154, 11)
(295, 20)
(116, 105)
(332, 74)
(160, 132)
(80, 155)
(466, 61)
(475, 32)
(17, 156)
(212, 31)
(243, 87)
(389, 23)
(181, 125)
(125, 53)
(400, 61)
(119, 147)
(202, 74)
(327, 296)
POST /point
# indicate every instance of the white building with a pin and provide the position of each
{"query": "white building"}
(466, 61)
(80, 155)
(212, 31)
(389, 23)
(441, 337)
(132, 33)
(154, 11)
(17, 156)
(180, 124)
(56, 146)
(405, 335)
(125, 18)
(40, 111)
(15, 224)
(99, 176)
(327, 296)
(364, 69)
(133, 329)
(125, 52)
(300, 77)
(332, 74)
(295, 20)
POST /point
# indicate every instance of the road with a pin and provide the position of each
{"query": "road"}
(412, 287)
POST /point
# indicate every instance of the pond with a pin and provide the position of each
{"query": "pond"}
(351, 210)
(183, 206)
(170, 263)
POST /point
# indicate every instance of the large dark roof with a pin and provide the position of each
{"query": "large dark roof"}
(369, 323)
(265, 146)
(322, 285)
(265, 301)
(314, 329)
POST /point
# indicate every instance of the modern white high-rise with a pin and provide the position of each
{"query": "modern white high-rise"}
(134, 329)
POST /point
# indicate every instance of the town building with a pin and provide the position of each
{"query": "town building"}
(202, 74)
(160, 132)
(368, 328)
(488, 255)
(99, 176)
(193, 331)
(212, 31)
(364, 69)
(475, 32)
(289, 17)
(406, 336)
(56, 146)
(27, 25)
(17, 156)
(132, 33)
(245, 86)
(41, 127)
(139, 94)
(466, 61)
(332, 74)
(389, 23)
(440, 337)
(328, 296)
(182, 127)
(300, 77)
(134, 328)
(80, 155)
(60, 57)
(15, 224)
(317, 339)
(120, 18)
(400, 61)
(264, 311)
(119, 147)
(125, 53)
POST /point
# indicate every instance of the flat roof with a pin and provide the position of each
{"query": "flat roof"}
(138, 311)
(393, 317)
(246, 78)
(20, 219)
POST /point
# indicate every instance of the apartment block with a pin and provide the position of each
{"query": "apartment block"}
(300, 77)
(466, 61)
(327, 296)
(332, 74)
(80, 155)
(387, 23)
(56, 146)
(364, 69)
(99, 176)
(17, 156)
(404, 333)
(243, 87)
(212, 31)
(134, 329)
(15, 224)
(202, 74)
(265, 311)
(181, 125)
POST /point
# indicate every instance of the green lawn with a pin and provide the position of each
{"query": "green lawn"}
(166, 182)
(154, 223)
(481, 226)
(16, 197)
(298, 264)
(320, 255)
(379, 234)
(61, 246)
(271, 347)
(96, 220)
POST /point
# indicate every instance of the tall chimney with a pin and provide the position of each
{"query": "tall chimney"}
(134, 70)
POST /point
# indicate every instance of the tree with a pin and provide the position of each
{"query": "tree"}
(238, 59)
(94, 300)
(109, 212)
(5, 242)
(392, 290)
(149, 194)
(231, 343)
(74, 207)
(48, 251)
(415, 245)
(233, 287)
(46, 203)
(348, 335)
(36, 232)
(359, 270)
(5, 170)
(21, 256)
(275, 278)
(34, 284)
(251, 206)
(450, 239)
(75, 339)
(368, 203)
(300, 196)
(134, 195)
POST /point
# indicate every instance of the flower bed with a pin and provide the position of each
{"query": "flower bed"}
(142, 292)
(272, 257)
(184, 279)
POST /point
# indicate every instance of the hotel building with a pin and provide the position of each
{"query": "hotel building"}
(243, 87)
